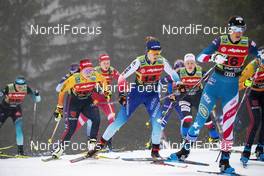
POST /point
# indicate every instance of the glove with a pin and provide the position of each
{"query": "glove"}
(218, 58)
(58, 114)
(108, 95)
(261, 55)
(172, 98)
(180, 87)
(248, 83)
(122, 99)
(213, 140)
(37, 97)
(36, 92)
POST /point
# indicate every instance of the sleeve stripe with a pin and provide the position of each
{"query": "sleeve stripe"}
(203, 58)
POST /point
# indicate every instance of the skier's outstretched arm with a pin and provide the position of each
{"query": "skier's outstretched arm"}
(34, 95)
(67, 85)
(3, 92)
(168, 69)
(205, 55)
(132, 68)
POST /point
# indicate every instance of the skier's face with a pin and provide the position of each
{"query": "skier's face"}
(153, 55)
(105, 65)
(236, 32)
(236, 36)
(20, 87)
(190, 66)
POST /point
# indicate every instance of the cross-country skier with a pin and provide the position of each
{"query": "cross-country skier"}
(229, 52)
(255, 106)
(148, 69)
(75, 68)
(79, 88)
(110, 74)
(12, 96)
(184, 102)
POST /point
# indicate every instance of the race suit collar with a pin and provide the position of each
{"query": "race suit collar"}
(105, 71)
(229, 38)
(192, 73)
(148, 61)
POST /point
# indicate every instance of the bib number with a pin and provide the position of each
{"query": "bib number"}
(235, 61)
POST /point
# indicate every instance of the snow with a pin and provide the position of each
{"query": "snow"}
(118, 167)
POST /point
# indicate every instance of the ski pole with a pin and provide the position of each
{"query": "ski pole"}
(247, 91)
(160, 120)
(217, 158)
(34, 121)
(54, 131)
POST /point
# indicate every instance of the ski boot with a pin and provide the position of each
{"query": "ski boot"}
(58, 152)
(245, 155)
(259, 152)
(224, 163)
(20, 150)
(91, 144)
(182, 154)
(155, 152)
(97, 148)
(109, 146)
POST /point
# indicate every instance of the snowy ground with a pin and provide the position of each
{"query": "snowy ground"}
(118, 167)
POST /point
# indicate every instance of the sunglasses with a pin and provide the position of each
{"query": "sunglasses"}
(154, 52)
(238, 28)
(20, 81)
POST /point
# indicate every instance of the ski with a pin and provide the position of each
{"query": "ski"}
(190, 162)
(3, 156)
(85, 157)
(81, 158)
(166, 160)
(51, 158)
(219, 173)
(162, 163)
(112, 150)
(107, 157)
(232, 151)
(5, 148)
(255, 159)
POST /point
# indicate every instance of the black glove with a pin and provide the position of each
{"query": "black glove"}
(58, 114)
(181, 88)
(122, 99)
(172, 97)
(36, 92)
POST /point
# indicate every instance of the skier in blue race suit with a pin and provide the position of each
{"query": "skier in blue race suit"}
(148, 69)
(229, 53)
